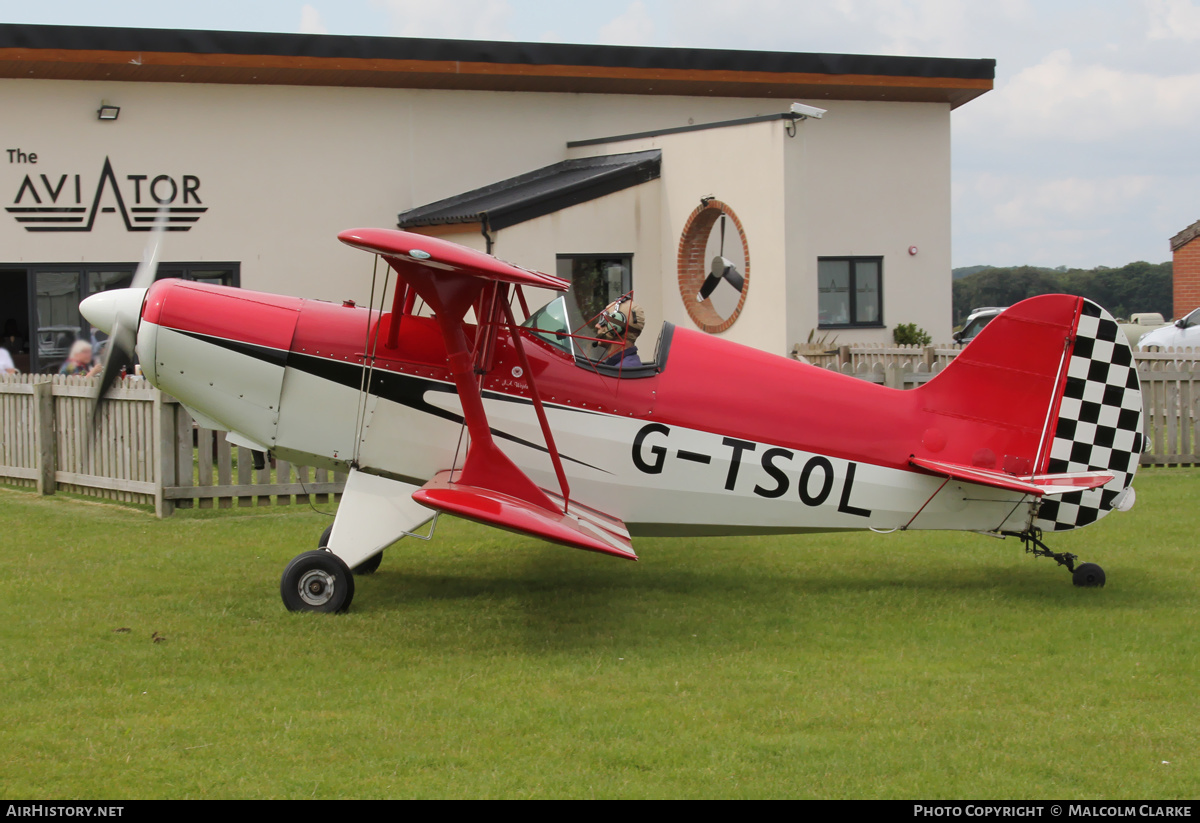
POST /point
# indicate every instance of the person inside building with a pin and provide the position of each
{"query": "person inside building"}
(79, 362)
(12, 340)
(619, 326)
(10, 344)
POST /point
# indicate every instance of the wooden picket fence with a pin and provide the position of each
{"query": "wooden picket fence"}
(1170, 388)
(1170, 399)
(145, 449)
(865, 356)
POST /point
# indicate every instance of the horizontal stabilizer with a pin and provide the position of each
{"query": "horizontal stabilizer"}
(580, 527)
(1035, 484)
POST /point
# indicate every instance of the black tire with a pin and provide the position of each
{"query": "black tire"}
(323, 540)
(317, 581)
(369, 565)
(1088, 575)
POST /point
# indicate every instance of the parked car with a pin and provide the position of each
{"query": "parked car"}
(976, 320)
(1182, 334)
(1141, 324)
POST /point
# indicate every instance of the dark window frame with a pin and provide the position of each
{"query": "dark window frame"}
(626, 257)
(185, 270)
(854, 261)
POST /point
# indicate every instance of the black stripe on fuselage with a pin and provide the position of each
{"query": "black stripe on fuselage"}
(276, 357)
(398, 388)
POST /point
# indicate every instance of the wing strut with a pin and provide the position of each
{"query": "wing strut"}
(537, 399)
(490, 488)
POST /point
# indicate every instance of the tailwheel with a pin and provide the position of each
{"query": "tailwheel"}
(317, 581)
(1088, 575)
(1085, 574)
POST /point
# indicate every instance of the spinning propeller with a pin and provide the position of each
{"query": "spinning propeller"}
(722, 269)
(117, 313)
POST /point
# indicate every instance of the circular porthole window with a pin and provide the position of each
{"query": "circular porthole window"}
(714, 266)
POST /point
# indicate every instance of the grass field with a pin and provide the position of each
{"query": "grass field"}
(484, 664)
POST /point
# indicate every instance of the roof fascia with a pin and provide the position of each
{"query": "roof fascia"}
(156, 55)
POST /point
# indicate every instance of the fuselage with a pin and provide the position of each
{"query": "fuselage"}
(720, 439)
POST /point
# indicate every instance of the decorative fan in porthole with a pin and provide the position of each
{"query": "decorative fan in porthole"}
(714, 266)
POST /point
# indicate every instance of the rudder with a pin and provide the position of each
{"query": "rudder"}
(1099, 425)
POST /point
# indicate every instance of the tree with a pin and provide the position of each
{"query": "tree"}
(1135, 287)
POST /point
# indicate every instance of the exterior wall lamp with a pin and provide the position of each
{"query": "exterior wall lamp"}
(107, 111)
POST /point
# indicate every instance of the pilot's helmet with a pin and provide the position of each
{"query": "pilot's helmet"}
(621, 320)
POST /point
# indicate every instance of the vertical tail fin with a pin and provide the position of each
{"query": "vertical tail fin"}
(1047, 387)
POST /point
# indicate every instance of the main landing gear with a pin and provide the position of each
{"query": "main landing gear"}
(1087, 575)
(320, 581)
(368, 566)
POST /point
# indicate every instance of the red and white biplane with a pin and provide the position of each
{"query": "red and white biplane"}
(1035, 426)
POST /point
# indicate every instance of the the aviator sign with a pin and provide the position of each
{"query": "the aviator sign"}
(71, 202)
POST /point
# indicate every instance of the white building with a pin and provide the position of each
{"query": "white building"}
(618, 166)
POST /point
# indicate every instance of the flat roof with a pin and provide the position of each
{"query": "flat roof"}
(185, 56)
(539, 192)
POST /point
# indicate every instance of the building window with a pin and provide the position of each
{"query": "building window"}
(596, 281)
(58, 291)
(849, 291)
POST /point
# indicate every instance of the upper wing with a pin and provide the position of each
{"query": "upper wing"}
(417, 250)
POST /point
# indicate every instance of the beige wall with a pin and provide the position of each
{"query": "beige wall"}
(283, 169)
(873, 179)
(869, 179)
(739, 165)
(622, 223)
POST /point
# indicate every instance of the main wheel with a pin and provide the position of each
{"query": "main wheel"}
(1089, 575)
(323, 540)
(317, 582)
(369, 565)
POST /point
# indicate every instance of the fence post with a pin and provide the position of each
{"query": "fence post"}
(164, 454)
(893, 377)
(44, 435)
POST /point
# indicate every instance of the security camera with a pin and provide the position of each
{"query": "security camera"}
(808, 111)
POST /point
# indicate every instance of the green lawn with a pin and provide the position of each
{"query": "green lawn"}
(485, 664)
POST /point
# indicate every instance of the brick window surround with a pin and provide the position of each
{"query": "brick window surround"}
(693, 267)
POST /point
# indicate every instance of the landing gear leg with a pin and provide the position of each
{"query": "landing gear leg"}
(1085, 574)
(368, 566)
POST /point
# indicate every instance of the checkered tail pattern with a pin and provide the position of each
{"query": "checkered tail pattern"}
(1099, 425)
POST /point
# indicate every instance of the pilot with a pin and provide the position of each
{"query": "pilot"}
(619, 326)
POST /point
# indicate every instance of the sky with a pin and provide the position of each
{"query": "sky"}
(1084, 154)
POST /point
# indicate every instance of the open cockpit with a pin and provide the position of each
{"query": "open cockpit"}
(551, 324)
